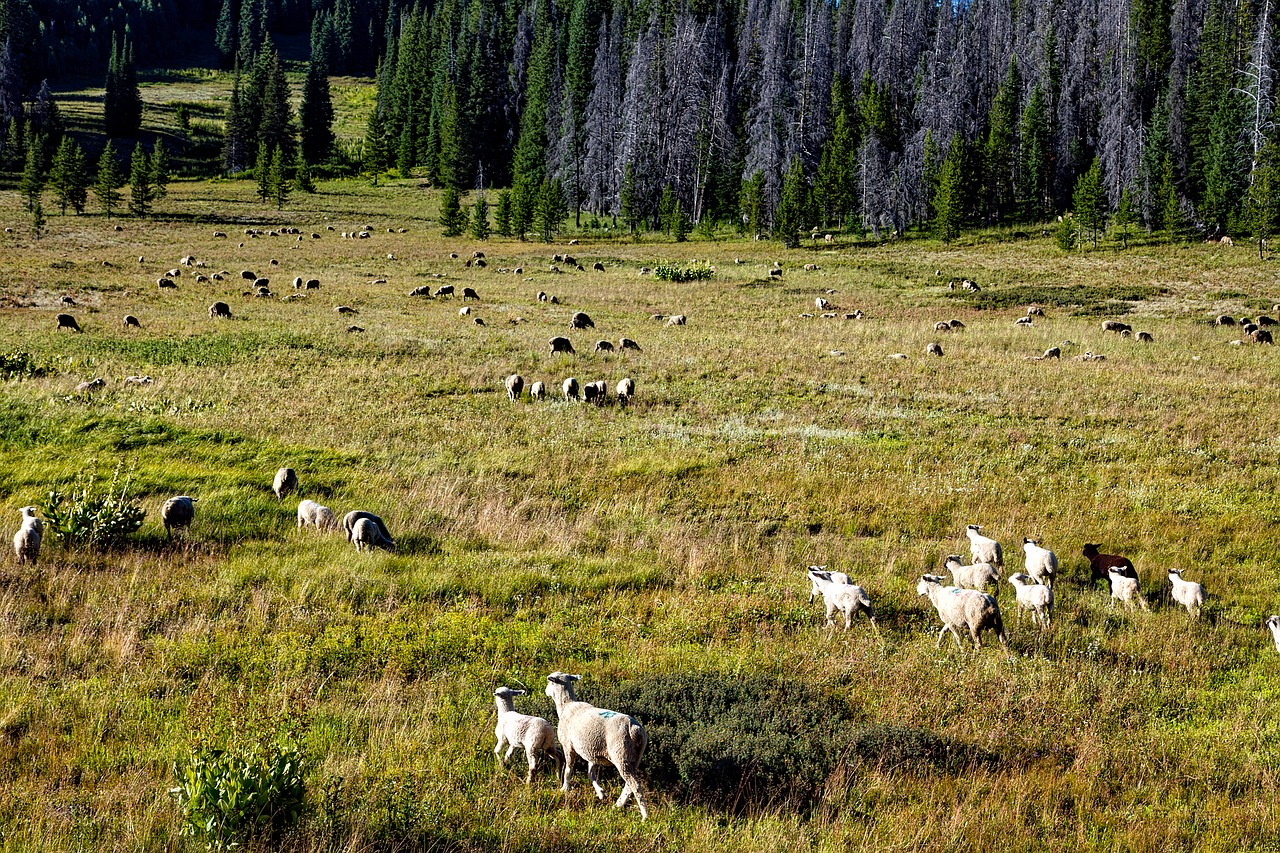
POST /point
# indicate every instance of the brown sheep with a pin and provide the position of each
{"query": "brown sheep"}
(220, 309)
(66, 321)
(560, 344)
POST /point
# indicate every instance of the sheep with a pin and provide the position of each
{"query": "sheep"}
(464, 311)
(626, 390)
(598, 267)
(1125, 587)
(365, 535)
(1101, 564)
(350, 520)
(840, 593)
(312, 514)
(627, 343)
(934, 349)
(470, 293)
(178, 511)
(570, 388)
(424, 290)
(345, 309)
(91, 385)
(976, 611)
(26, 542)
(597, 735)
(974, 576)
(1052, 352)
(1035, 311)
(514, 384)
(221, 235)
(533, 734)
(444, 290)
(1042, 564)
(559, 344)
(676, 320)
(286, 482)
(68, 301)
(130, 320)
(66, 321)
(1024, 322)
(821, 304)
(604, 346)
(956, 325)
(538, 390)
(312, 284)
(1145, 338)
(1115, 326)
(263, 293)
(594, 392)
(940, 326)
(220, 309)
(353, 330)
(297, 282)
(138, 380)
(1273, 625)
(1264, 320)
(984, 549)
(1033, 596)
(775, 273)
(1189, 594)
(1224, 320)
(542, 296)
(580, 320)
(1261, 336)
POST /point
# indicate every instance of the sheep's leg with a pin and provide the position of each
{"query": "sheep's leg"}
(568, 767)
(975, 636)
(497, 750)
(956, 636)
(848, 619)
(941, 634)
(510, 749)
(593, 773)
(632, 787)
(532, 755)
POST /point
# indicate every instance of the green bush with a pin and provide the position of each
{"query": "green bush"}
(21, 364)
(675, 272)
(231, 796)
(93, 517)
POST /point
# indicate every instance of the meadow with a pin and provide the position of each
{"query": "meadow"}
(637, 545)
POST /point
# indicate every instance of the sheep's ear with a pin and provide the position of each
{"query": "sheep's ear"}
(573, 677)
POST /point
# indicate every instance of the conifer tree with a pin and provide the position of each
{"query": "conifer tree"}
(1089, 201)
(122, 102)
(109, 180)
(679, 223)
(374, 156)
(833, 187)
(302, 176)
(1171, 218)
(33, 175)
(999, 149)
(236, 149)
(480, 217)
(37, 219)
(262, 172)
(948, 202)
(628, 201)
(528, 161)
(666, 205)
(753, 203)
(224, 34)
(160, 169)
(1036, 145)
(69, 176)
(1262, 203)
(502, 217)
(1125, 215)
(316, 112)
(141, 189)
(278, 177)
(792, 206)
(275, 126)
(551, 209)
(453, 219)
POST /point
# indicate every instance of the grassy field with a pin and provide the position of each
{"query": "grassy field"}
(634, 544)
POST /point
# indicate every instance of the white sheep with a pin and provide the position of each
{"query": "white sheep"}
(984, 549)
(1189, 594)
(598, 736)
(533, 734)
(178, 511)
(1042, 564)
(312, 514)
(815, 589)
(538, 390)
(349, 521)
(1033, 596)
(365, 535)
(570, 388)
(514, 384)
(976, 576)
(1273, 625)
(967, 608)
(26, 542)
(1125, 587)
(286, 482)
(842, 595)
(626, 390)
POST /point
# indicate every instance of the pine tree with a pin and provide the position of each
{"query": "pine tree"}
(141, 190)
(1170, 204)
(528, 159)
(302, 176)
(1125, 216)
(480, 217)
(792, 206)
(1262, 203)
(679, 223)
(948, 202)
(502, 217)
(629, 202)
(224, 37)
(833, 187)
(1089, 201)
(37, 219)
(316, 113)
(999, 151)
(452, 166)
(275, 126)
(33, 175)
(453, 219)
(752, 202)
(374, 156)
(262, 172)
(1226, 166)
(236, 149)
(931, 171)
(122, 101)
(160, 169)
(1035, 168)
(666, 205)
(15, 146)
(109, 180)
(278, 177)
(551, 209)
(68, 176)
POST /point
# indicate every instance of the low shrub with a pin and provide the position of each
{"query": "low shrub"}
(92, 516)
(675, 272)
(21, 364)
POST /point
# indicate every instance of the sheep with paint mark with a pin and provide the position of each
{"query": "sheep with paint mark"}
(962, 608)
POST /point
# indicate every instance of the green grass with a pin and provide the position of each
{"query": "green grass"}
(633, 544)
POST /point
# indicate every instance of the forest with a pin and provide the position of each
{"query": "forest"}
(887, 114)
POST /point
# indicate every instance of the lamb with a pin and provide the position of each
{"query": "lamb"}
(627, 343)
(676, 320)
(424, 290)
(1273, 624)
(177, 512)
(312, 514)
(92, 385)
(1042, 564)
(538, 390)
(365, 535)
(934, 349)
(594, 392)
(26, 542)
(570, 388)
(1033, 596)
(604, 346)
(1125, 587)
(66, 321)
(1189, 594)
(984, 549)
(975, 576)
(1115, 326)
(470, 293)
(1224, 320)
(839, 593)
(286, 482)
(626, 390)
(138, 380)
(967, 608)
(1101, 564)
(351, 519)
(533, 734)
(345, 309)
(559, 344)
(581, 320)
(313, 284)
(942, 326)
(220, 309)
(598, 267)
(597, 736)
(821, 304)
(444, 290)
(514, 384)
(1145, 337)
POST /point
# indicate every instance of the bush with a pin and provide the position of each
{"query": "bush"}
(675, 272)
(21, 364)
(93, 517)
(895, 748)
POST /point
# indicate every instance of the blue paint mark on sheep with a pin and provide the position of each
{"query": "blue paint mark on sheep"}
(607, 714)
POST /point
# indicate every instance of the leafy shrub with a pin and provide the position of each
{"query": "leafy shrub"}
(736, 741)
(675, 272)
(230, 796)
(94, 517)
(893, 747)
(21, 364)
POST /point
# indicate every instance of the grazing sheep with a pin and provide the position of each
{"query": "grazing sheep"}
(164, 283)
(345, 309)
(962, 608)
(1033, 596)
(1042, 564)
(470, 293)
(424, 290)
(598, 736)
(91, 385)
(956, 325)
(840, 593)
(570, 388)
(598, 267)
(1224, 320)
(580, 320)
(1264, 320)
(444, 290)
(533, 734)
(934, 349)
(542, 296)
(1115, 326)
(595, 392)
(26, 542)
(220, 309)
(604, 346)
(1145, 337)
(221, 235)
(1035, 311)
(1261, 336)
(464, 310)
(1273, 625)
(1125, 587)
(366, 536)
(349, 522)
(178, 512)
(976, 576)
(1101, 564)
(313, 284)
(775, 273)
(559, 344)
(940, 326)
(1189, 594)
(676, 320)
(627, 343)
(69, 302)
(130, 320)
(286, 482)
(312, 514)
(821, 304)
(138, 380)
(1024, 322)
(626, 390)
(1052, 352)
(352, 330)
(66, 321)
(514, 384)
(1247, 329)
(984, 549)
(248, 275)
(538, 390)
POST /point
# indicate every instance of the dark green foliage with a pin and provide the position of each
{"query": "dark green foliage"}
(1065, 234)
(1170, 204)
(316, 113)
(262, 172)
(999, 150)
(834, 187)
(141, 190)
(676, 272)
(1226, 165)
(109, 181)
(793, 206)
(122, 102)
(1262, 202)
(159, 164)
(37, 219)
(453, 219)
(679, 223)
(551, 210)
(237, 140)
(894, 749)
(629, 201)
(302, 177)
(666, 205)
(502, 218)
(1125, 216)
(278, 177)
(1089, 202)
(948, 201)
(33, 175)
(1035, 172)
(480, 217)
(93, 516)
(753, 203)
(232, 795)
(224, 34)
(20, 364)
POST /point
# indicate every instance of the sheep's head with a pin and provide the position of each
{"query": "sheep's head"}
(1020, 579)
(975, 528)
(1272, 623)
(506, 692)
(29, 511)
(561, 680)
(952, 560)
(1175, 573)
(926, 581)
(1035, 542)
(1091, 551)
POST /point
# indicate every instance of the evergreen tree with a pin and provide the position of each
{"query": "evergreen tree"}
(69, 176)
(1089, 201)
(792, 206)
(33, 176)
(122, 101)
(679, 223)
(931, 171)
(302, 176)
(999, 150)
(629, 201)
(236, 149)
(141, 189)
(1125, 215)
(551, 209)
(262, 173)
(37, 219)
(1035, 169)
(160, 169)
(46, 121)
(275, 126)
(1262, 203)
(405, 152)
(278, 177)
(833, 187)
(666, 205)
(453, 219)
(502, 217)
(753, 203)
(948, 202)
(316, 113)
(109, 181)
(10, 79)
(452, 165)
(1170, 204)
(528, 160)
(374, 155)
(15, 146)
(1065, 234)
(224, 34)
(1226, 166)
(480, 217)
